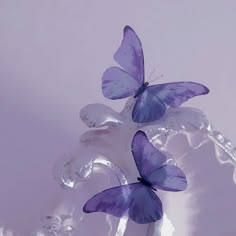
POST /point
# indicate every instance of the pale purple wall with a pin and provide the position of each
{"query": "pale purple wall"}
(52, 55)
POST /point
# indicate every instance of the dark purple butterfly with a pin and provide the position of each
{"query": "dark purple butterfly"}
(138, 199)
(151, 100)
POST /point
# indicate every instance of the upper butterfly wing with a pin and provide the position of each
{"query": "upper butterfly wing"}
(130, 55)
(169, 178)
(116, 83)
(152, 167)
(148, 107)
(146, 156)
(174, 94)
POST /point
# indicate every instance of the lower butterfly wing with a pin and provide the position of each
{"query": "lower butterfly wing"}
(148, 108)
(139, 201)
(114, 201)
(116, 84)
(169, 178)
(146, 206)
(146, 156)
(174, 94)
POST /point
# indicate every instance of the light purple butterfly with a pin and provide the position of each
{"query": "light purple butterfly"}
(139, 199)
(151, 101)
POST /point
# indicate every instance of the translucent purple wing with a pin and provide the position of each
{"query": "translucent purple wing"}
(117, 84)
(174, 94)
(146, 156)
(169, 178)
(148, 108)
(114, 201)
(151, 164)
(145, 207)
(142, 205)
(130, 55)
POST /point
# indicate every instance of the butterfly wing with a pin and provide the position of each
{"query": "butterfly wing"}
(130, 55)
(146, 156)
(145, 207)
(116, 84)
(114, 201)
(127, 199)
(174, 94)
(148, 107)
(151, 165)
(169, 178)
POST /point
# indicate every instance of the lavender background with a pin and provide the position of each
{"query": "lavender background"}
(52, 56)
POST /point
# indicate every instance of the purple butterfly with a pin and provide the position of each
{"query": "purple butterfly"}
(138, 199)
(151, 101)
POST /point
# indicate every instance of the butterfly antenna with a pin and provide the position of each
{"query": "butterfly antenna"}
(156, 78)
(153, 71)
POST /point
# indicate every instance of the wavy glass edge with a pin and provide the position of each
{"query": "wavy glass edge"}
(224, 144)
(189, 120)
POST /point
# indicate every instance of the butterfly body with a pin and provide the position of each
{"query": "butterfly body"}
(146, 183)
(141, 89)
(139, 199)
(152, 101)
